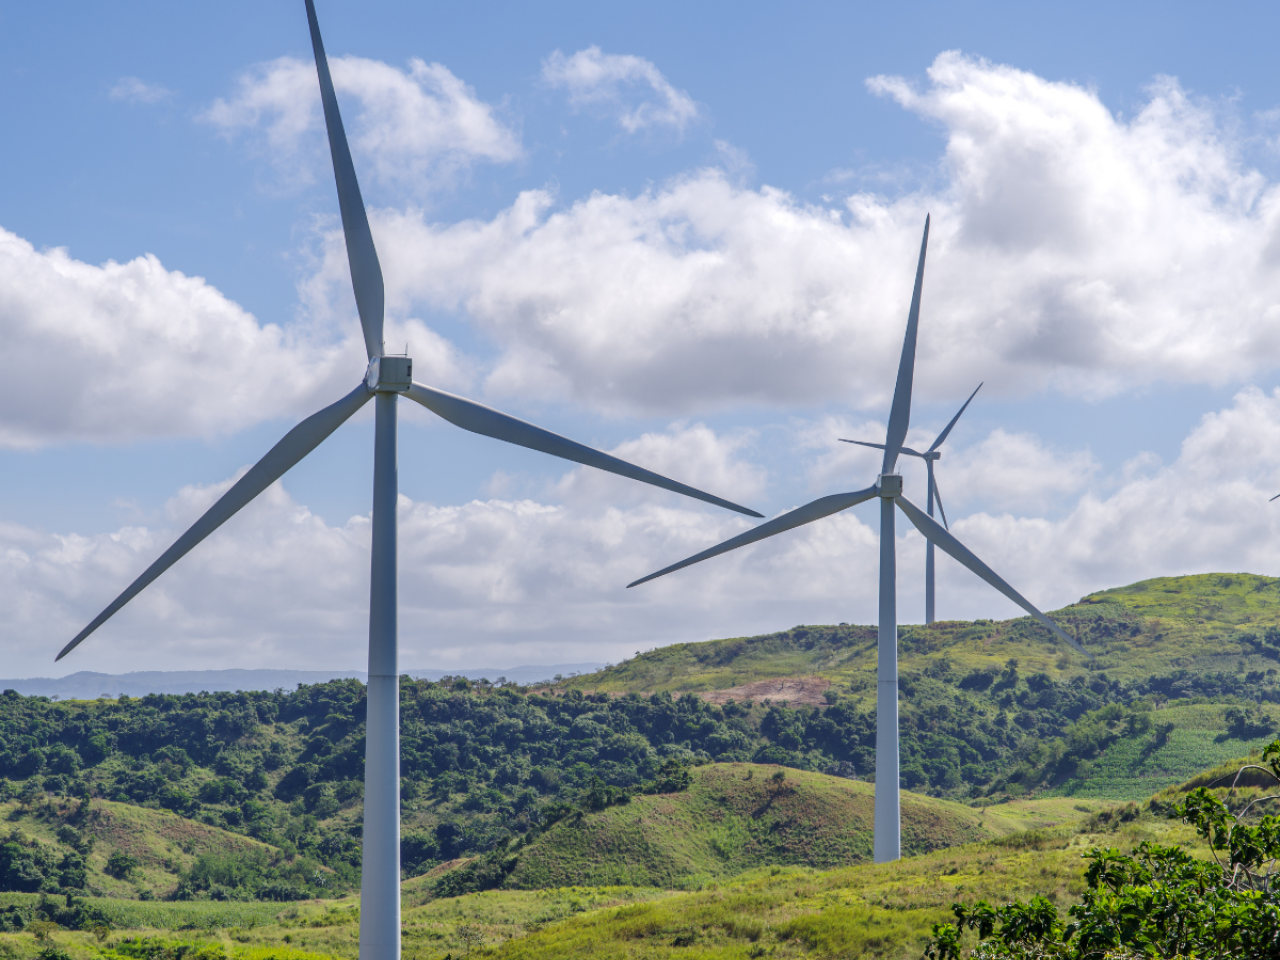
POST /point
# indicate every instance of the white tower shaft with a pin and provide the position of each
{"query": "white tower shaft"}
(380, 873)
(888, 830)
(928, 557)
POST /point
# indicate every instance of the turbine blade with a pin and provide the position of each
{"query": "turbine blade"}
(366, 274)
(478, 418)
(900, 412)
(880, 446)
(937, 495)
(823, 507)
(1276, 497)
(945, 541)
(943, 435)
(293, 446)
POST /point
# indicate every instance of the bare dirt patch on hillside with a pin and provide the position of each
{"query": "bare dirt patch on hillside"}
(796, 691)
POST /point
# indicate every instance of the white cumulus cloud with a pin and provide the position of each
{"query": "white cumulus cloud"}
(413, 128)
(122, 351)
(630, 87)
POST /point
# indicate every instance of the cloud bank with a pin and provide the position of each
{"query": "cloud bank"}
(544, 579)
(1072, 250)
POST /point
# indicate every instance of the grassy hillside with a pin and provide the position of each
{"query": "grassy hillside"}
(1210, 621)
(160, 844)
(1008, 709)
(879, 911)
(738, 816)
(1133, 768)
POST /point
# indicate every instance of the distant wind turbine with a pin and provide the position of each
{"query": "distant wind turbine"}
(929, 456)
(385, 378)
(888, 487)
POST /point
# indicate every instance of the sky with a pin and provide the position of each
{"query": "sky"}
(683, 233)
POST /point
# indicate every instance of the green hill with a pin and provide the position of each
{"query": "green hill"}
(738, 816)
(117, 849)
(1214, 622)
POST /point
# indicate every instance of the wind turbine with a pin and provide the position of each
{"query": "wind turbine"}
(929, 457)
(385, 379)
(888, 487)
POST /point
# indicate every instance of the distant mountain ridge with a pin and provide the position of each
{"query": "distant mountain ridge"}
(88, 685)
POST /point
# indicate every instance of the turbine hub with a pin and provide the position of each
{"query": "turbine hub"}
(389, 374)
(890, 485)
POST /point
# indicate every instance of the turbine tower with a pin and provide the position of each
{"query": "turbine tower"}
(888, 487)
(929, 457)
(385, 379)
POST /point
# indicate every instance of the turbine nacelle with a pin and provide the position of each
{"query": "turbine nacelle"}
(889, 485)
(389, 375)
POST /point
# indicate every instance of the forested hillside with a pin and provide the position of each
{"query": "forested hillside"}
(1185, 678)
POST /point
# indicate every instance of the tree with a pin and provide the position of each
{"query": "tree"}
(1160, 901)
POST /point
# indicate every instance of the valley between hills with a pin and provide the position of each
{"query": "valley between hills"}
(710, 798)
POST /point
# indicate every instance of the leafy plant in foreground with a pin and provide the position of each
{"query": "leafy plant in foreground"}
(1158, 902)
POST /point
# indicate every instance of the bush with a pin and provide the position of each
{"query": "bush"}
(1159, 901)
(122, 865)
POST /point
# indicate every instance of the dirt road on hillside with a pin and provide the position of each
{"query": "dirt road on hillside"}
(794, 690)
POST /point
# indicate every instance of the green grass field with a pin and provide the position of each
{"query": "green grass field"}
(1126, 771)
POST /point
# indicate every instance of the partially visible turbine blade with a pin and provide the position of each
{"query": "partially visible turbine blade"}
(880, 446)
(478, 418)
(1276, 497)
(900, 412)
(293, 446)
(945, 541)
(937, 495)
(366, 274)
(823, 507)
(943, 435)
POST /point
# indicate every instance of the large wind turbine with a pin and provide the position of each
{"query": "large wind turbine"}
(929, 457)
(888, 487)
(385, 378)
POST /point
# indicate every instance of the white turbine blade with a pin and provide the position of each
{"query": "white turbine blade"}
(943, 435)
(937, 496)
(823, 507)
(293, 446)
(946, 541)
(880, 446)
(478, 418)
(900, 412)
(366, 274)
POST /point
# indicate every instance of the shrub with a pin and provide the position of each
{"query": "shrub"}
(1158, 901)
(122, 865)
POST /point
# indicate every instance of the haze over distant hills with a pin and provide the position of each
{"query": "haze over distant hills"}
(86, 685)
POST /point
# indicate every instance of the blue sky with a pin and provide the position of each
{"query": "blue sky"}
(684, 233)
